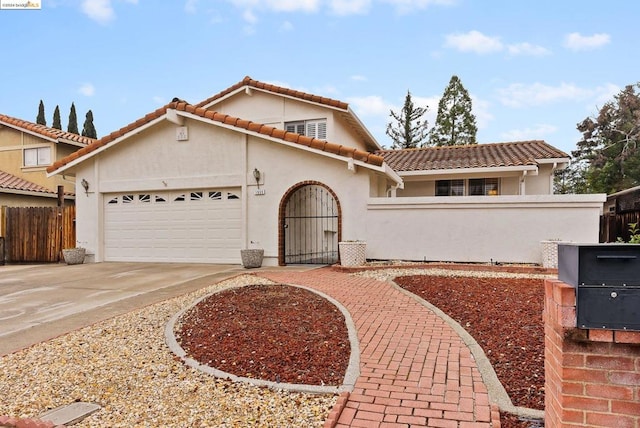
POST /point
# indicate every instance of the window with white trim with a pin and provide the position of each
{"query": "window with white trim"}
(310, 128)
(37, 156)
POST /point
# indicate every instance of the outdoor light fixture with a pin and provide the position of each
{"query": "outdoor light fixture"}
(85, 184)
(256, 175)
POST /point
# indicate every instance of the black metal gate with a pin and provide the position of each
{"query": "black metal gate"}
(311, 227)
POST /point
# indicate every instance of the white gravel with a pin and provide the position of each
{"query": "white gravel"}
(388, 274)
(124, 366)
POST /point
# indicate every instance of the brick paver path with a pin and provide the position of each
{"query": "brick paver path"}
(415, 371)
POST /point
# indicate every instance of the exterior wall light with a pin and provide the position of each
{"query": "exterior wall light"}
(85, 184)
(256, 175)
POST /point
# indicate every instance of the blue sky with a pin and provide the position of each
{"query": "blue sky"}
(533, 68)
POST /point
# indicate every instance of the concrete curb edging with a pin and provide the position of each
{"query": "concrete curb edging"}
(351, 374)
(497, 393)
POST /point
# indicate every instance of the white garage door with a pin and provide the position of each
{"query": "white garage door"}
(201, 226)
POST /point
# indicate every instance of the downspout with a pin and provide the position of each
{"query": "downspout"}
(391, 191)
(552, 177)
(522, 184)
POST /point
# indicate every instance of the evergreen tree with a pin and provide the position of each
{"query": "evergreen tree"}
(73, 120)
(609, 149)
(56, 118)
(41, 120)
(88, 130)
(455, 124)
(408, 130)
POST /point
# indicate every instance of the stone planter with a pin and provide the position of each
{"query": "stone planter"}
(352, 253)
(252, 258)
(550, 253)
(73, 256)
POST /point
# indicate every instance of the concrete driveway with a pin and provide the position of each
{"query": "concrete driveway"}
(39, 302)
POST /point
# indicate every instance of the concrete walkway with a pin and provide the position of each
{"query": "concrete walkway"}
(415, 371)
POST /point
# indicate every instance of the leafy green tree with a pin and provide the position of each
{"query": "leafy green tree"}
(41, 120)
(455, 124)
(408, 131)
(609, 145)
(88, 130)
(56, 119)
(73, 120)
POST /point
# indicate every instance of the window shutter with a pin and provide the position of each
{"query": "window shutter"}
(300, 129)
(322, 131)
(311, 129)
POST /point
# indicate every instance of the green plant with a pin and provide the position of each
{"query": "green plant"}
(634, 231)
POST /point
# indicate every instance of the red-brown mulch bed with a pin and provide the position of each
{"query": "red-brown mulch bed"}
(278, 333)
(504, 315)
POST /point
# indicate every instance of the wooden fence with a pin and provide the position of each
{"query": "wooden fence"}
(614, 226)
(38, 234)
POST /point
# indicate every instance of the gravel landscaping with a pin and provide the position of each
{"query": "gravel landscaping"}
(124, 366)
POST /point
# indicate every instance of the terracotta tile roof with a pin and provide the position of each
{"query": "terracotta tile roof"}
(11, 182)
(471, 156)
(235, 122)
(45, 131)
(248, 81)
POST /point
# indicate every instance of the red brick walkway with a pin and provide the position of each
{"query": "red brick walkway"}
(415, 371)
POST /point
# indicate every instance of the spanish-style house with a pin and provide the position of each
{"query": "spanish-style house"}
(26, 150)
(259, 165)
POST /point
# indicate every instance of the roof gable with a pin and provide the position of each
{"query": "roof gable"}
(251, 83)
(341, 108)
(226, 120)
(513, 154)
(44, 131)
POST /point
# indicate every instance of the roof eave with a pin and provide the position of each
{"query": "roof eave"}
(492, 169)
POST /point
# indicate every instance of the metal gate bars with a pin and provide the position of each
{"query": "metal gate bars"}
(311, 227)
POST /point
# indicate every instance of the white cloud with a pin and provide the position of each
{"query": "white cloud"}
(372, 105)
(406, 6)
(87, 89)
(249, 16)
(578, 42)
(98, 10)
(286, 26)
(191, 6)
(278, 5)
(521, 95)
(358, 78)
(159, 100)
(473, 41)
(480, 110)
(538, 132)
(527, 49)
(349, 7)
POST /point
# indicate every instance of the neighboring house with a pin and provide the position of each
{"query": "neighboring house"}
(522, 168)
(293, 173)
(26, 150)
(620, 210)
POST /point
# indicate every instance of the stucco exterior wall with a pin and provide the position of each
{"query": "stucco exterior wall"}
(541, 184)
(478, 229)
(282, 168)
(216, 157)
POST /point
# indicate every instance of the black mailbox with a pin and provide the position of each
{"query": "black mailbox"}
(607, 277)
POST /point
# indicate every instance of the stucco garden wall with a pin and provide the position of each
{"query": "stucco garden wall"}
(478, 229)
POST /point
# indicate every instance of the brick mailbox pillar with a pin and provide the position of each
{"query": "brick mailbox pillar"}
(592, 376)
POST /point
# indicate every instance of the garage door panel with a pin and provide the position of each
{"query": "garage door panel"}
(189, 226)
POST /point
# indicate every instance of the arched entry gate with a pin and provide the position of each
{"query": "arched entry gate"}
(310, 221)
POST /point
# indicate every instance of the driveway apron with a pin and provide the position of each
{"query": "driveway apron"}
(415, 371)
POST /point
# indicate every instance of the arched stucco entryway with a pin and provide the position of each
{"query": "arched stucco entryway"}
(309, 225)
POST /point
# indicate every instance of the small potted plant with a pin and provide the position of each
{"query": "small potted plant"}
(252, 257)
(352, 253)
(74, 256)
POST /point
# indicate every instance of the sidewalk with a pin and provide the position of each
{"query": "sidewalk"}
(415, 371)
